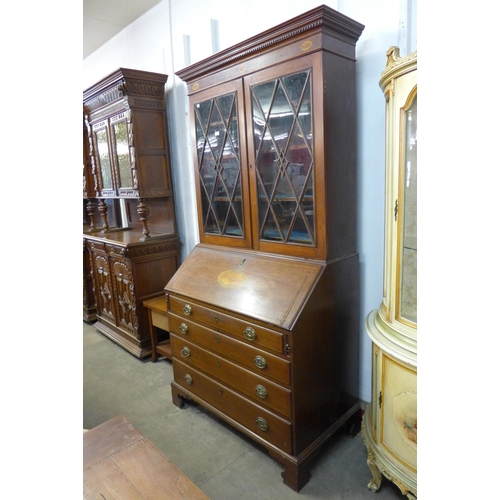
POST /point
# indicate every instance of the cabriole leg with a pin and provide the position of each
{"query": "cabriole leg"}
(375, 483)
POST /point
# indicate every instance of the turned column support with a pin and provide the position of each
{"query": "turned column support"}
(103, 210)
(143, 211)
(90, 212)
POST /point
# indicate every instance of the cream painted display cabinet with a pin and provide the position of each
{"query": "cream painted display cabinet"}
(390, 421)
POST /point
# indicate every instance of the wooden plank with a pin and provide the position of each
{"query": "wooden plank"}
(105, 480)
(154, 475)
(108, 438)
(120, 463)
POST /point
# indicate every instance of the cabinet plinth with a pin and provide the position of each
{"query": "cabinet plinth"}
(264, 312)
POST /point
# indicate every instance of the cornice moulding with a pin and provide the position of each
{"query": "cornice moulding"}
(315, 20)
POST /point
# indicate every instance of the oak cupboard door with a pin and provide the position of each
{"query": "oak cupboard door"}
(123, 281)
(103, 286)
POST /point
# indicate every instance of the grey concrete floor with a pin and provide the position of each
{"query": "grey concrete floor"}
(222, 462)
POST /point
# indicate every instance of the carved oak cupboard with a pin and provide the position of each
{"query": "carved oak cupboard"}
(263, 313)
(390, 420)
(134, 250)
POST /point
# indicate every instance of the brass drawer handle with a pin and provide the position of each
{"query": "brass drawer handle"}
(187, 309)
(262, 424)
(185, 352)
(261, 391)
(260, 362)
(250, 333)
(217, 339)
(183, 328)
(188, 379)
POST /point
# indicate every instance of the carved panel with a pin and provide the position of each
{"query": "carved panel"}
(148, 103)
(132, 87)
(154, 249)
(103, 286)
(125, 295)
(107, 97)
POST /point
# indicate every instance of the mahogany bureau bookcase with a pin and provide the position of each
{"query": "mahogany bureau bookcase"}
(263, 314)
(134, 250)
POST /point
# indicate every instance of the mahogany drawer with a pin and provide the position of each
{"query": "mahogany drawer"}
(256, 419)
(256, 360)
(244, 330)
(261, 390)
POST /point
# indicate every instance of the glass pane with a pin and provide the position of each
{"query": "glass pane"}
(219, 165)
(123, 154)
(408, 302)
(202, 114)
(282, 129)
(103, 153)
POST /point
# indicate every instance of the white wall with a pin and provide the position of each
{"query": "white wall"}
(157, 42)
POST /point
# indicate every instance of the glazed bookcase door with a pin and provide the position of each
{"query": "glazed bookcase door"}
(406, 287)
(122, 158)
(104, 159)
(282, 159)
(115, 162)
(221, 169)
(399, 306)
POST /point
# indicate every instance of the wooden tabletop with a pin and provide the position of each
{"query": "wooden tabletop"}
(119, 462)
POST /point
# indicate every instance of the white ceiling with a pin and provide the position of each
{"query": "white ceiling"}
(103, 19)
